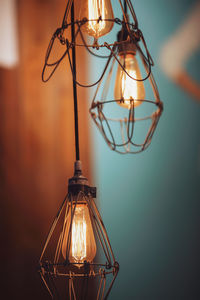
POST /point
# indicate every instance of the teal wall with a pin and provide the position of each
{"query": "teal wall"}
(150, 201)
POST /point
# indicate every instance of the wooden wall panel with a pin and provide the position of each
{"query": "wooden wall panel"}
(37, 146)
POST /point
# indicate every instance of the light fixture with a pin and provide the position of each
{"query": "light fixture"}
(123, 113)
(69, 263)
(129, 130)
(128, 67)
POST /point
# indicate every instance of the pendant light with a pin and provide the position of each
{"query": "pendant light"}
(126, 108)
(126, 79)
(77, 254)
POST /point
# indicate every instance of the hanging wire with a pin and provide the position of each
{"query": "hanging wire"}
(125, 7)
(75, 86)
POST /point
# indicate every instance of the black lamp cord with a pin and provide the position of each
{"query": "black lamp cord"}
(75, 85)
(125, 7)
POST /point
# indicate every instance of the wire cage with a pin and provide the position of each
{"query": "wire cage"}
(102, 45)
(127, 127)
(69, 265)
(127, 124)
(90, 28)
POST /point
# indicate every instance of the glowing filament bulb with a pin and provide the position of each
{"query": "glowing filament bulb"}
(96, 11)
(126, 88)
(78, 237)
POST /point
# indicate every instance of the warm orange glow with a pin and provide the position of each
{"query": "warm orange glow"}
(83, 245)
(93, 10)
(126, 88)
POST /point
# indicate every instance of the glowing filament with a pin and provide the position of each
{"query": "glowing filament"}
(96, 9)
(98, 14)
(127, 89)
(79, 238)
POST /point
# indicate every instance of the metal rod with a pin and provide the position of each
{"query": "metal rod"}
(75, 85)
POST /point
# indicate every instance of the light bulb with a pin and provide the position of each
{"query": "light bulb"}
(92, 10)
(126, 88)
(82, 244)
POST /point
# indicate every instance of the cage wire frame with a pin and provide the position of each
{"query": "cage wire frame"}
(127, 122)
(134, 36)
(129, 21)
(52, 268)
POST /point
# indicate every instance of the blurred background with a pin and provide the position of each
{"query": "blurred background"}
(149, 202)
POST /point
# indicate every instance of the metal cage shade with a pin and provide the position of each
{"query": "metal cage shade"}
(119, 131)
(65, 278)
(102, 48)
(130, 129)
